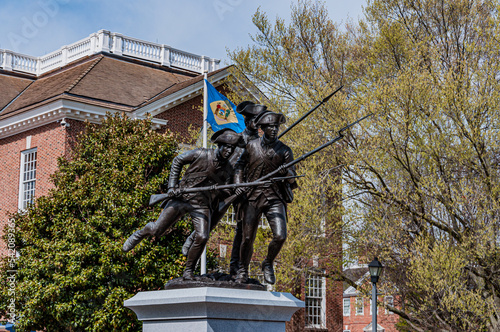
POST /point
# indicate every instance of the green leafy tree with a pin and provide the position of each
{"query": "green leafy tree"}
(71, 272)
(425, 169)
(420, 177)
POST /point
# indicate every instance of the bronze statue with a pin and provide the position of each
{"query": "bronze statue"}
(207, 167)
(260, 158)
(249, 110)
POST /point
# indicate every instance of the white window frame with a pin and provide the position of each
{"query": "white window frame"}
(229, 218)
(319, 297)
(389, 300)
(348, 301)
(27, 176)
(360, 306)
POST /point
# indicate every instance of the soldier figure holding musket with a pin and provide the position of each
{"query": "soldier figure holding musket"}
(249, 110)
(207, 167)
(261, 157)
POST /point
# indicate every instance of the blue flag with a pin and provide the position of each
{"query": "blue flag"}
(221, 112)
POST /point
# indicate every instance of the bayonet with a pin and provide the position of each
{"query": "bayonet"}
(310, 111)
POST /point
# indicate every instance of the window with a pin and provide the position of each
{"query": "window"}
(230, 218)
(389, 300)
(360, 306)
(27, 178)
(347, 307)
(315, 301)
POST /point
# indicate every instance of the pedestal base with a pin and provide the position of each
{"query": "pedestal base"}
(213, 309)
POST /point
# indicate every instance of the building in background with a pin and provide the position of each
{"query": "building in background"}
(357, 310)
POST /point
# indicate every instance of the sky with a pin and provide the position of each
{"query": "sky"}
(203, 27)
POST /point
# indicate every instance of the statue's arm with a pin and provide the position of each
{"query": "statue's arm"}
(288, 159)
(178, 163)
(239, 176)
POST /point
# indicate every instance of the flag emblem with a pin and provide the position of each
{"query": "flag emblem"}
(221, 111)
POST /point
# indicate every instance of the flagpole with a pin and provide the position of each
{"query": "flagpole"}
(203, 262)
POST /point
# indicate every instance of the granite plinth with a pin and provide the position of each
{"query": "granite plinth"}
(213, 309)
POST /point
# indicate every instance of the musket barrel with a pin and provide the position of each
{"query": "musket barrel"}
(310, 111)
(306, 155)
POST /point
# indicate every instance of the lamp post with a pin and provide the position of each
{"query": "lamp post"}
(375, 269)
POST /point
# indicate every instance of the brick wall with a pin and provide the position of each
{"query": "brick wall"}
(50, 143)
(184, 117)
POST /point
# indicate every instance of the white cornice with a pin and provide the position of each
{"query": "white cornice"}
(180, 96)
(58, 110)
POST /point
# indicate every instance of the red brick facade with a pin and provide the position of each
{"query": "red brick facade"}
(50, 141)
(356, 321)
(184, 117)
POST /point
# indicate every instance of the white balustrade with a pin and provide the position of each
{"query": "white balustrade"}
(141, 49)
(79, 49)
(51, 61)
(104, 41)
(186, 60)
(24, 63)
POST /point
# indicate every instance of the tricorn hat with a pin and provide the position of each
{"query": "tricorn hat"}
(269, 117)
(242, 105)
(250, 109)
(227, 136)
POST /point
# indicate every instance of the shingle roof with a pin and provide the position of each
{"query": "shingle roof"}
(11, 86)
(102, 80)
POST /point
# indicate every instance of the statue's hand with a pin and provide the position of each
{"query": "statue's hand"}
(282, 170)
(241, 190)
(173, 192)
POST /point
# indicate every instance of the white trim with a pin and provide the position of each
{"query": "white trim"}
(58, 110)
(22, 170)
(322, 308)
(109, 42)
(179, 97)
(344, 300)
(362, 300)
(350, 291)
(386, 300)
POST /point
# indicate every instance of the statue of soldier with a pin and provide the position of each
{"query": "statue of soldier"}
(261, 157)
(207, 167)
(249, 110)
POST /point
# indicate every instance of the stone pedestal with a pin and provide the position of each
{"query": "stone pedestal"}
(213, 309)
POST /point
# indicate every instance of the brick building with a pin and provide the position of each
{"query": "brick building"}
(44, 102)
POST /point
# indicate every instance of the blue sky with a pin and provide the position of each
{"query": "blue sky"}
(204, 27)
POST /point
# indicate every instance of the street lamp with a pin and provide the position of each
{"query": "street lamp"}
(375, 269)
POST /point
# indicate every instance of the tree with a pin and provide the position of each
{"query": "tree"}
(425, 169)
(296, 66)
(420, 176)
(71, 273)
